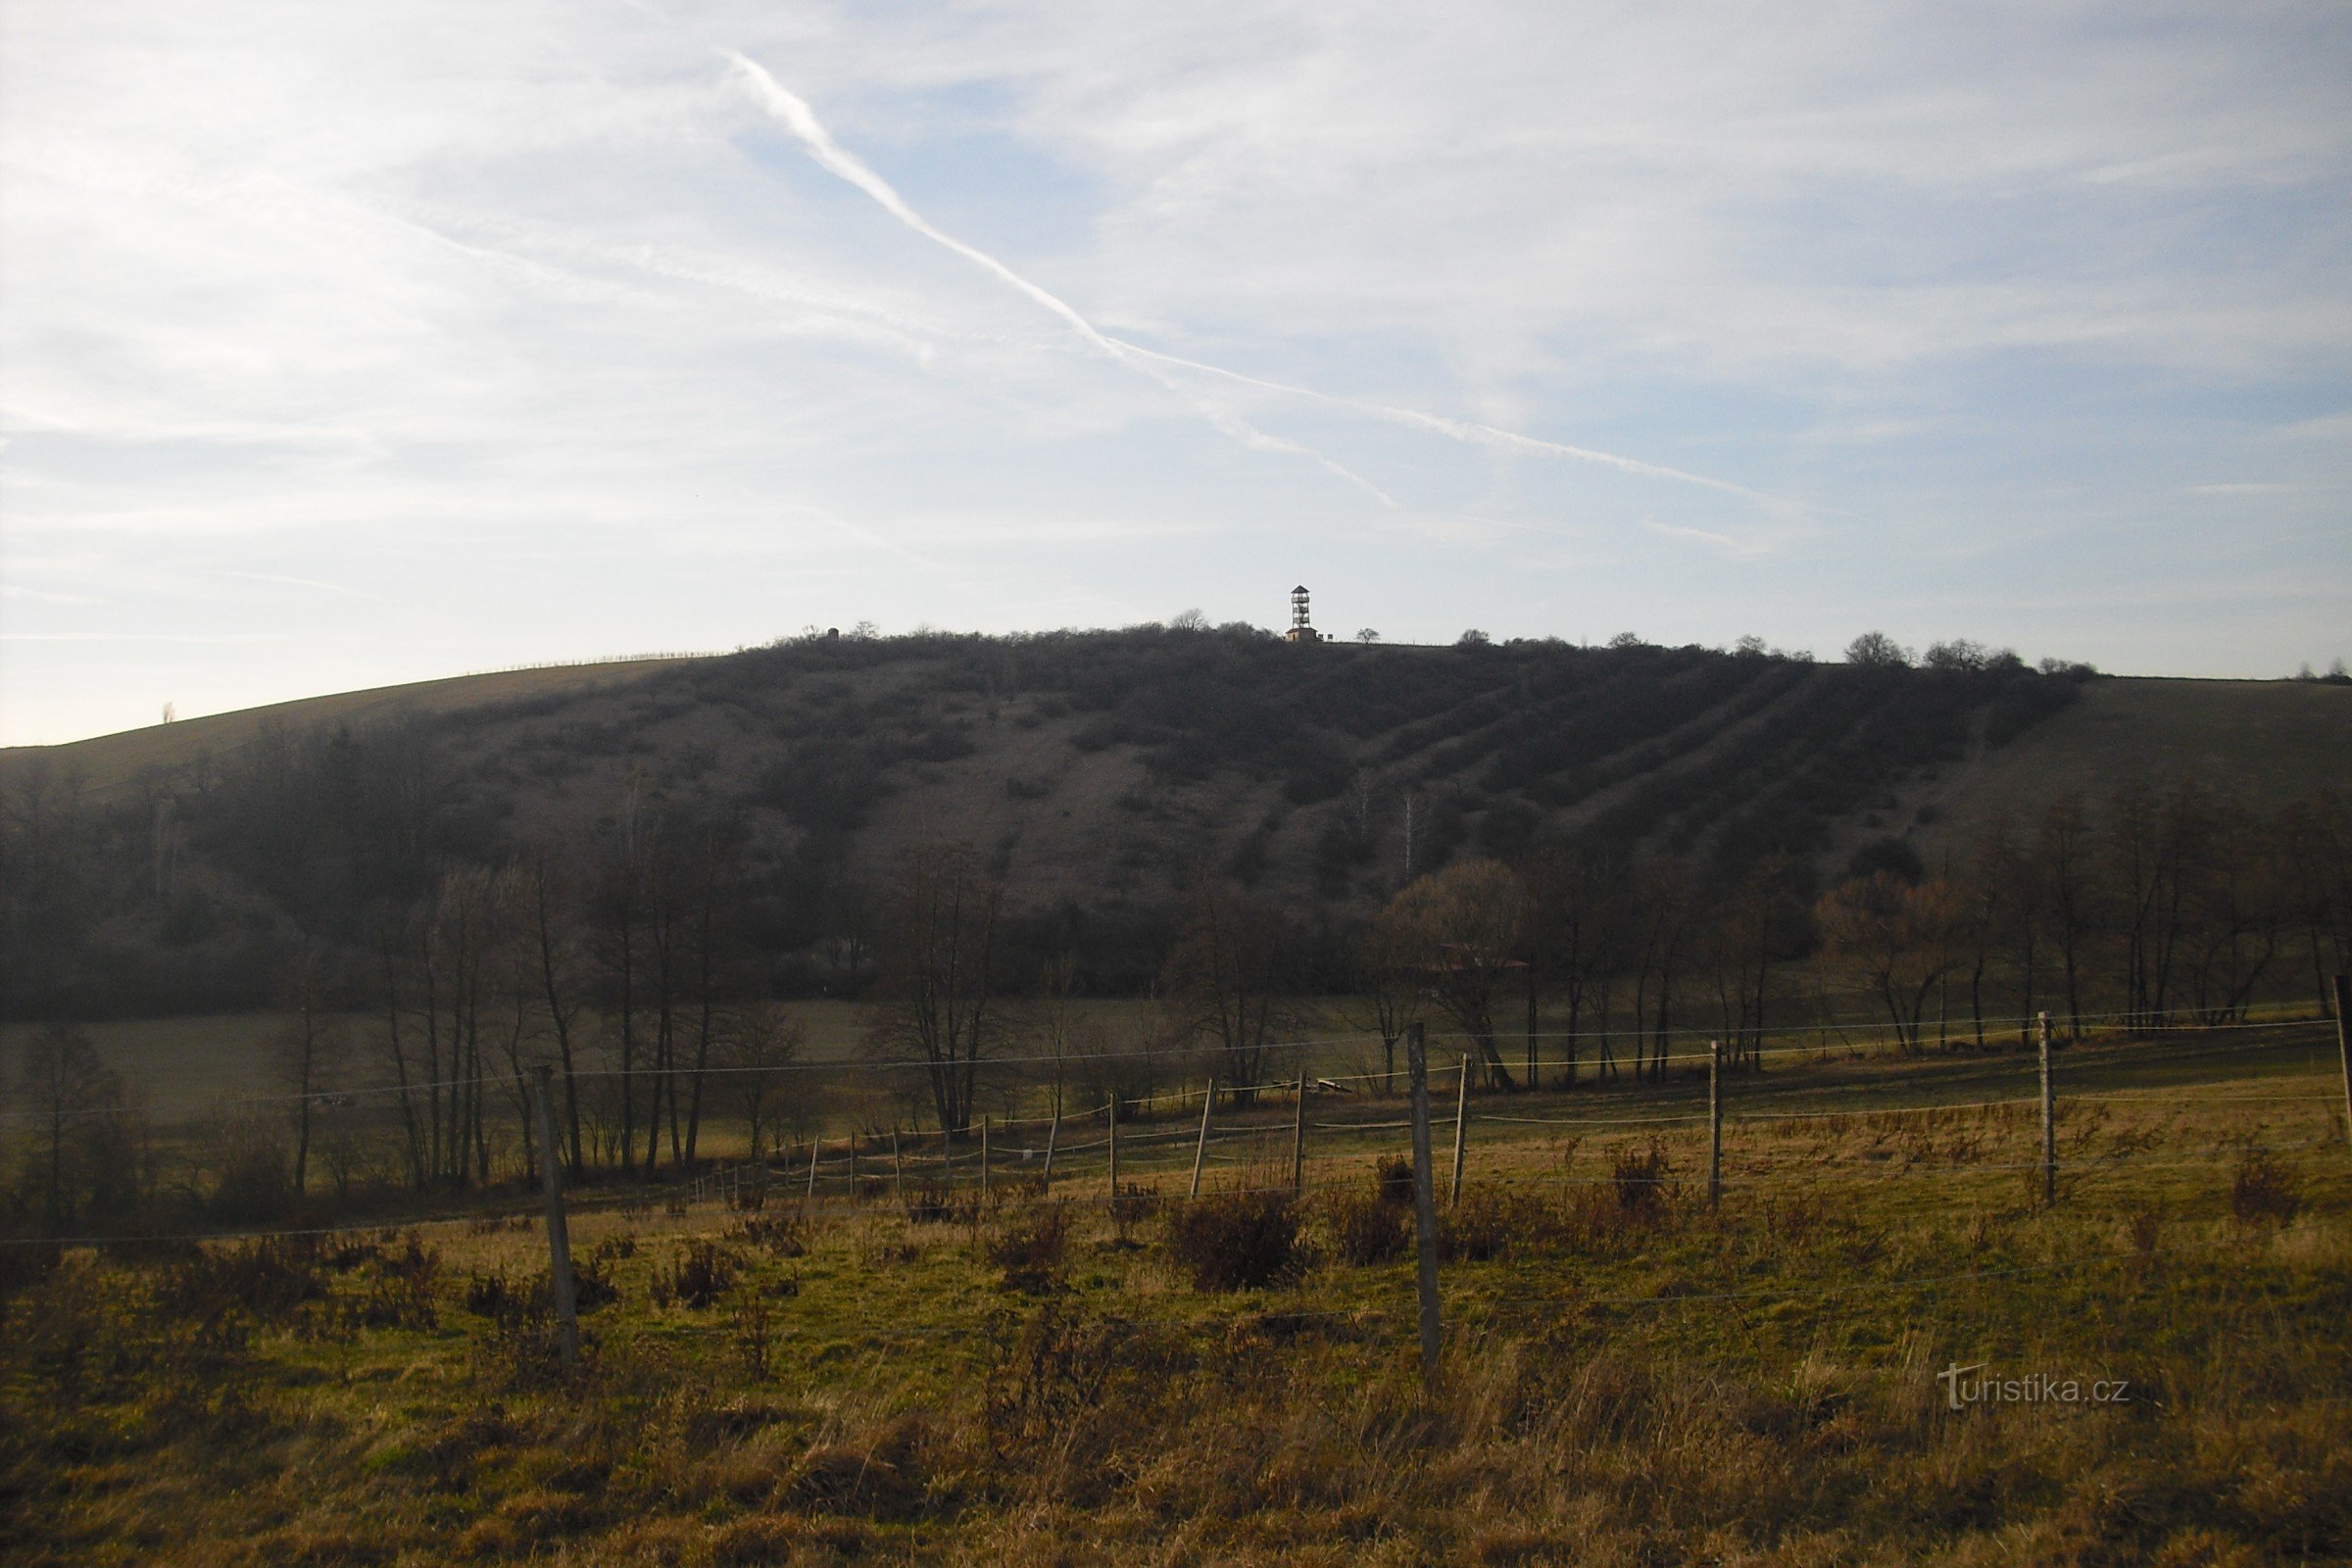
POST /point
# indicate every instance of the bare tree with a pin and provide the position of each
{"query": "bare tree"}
(1463, 926)
(306, 1051)
(555, 961)
(756, 1053)
(2064, 847)
(1228, 979)
(935, 1005)
(81, 1109)
(616, 923)
(712, 882)
(1394, 984)
(1898, 935)
(1987, 893)
(1661, 917)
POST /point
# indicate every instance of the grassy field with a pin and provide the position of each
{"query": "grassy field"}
(1629, 1377)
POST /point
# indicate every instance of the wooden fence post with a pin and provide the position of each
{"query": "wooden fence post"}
(559, 1234)
(1298, 1138)
(947, 1158)
(813, 1144)
(1114, 1146)
(2343, 1043)
(984, 1158)
(2049, 1124)
(1714, 1122)
(1425, 1207)
(1461, 1132)
(1201, 1147)
(898, 1166)
(1052, 1136)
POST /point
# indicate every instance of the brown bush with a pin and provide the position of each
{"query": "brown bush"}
(783, 1234)
(933, 1204)
(1131, 1206)
(271, 1278)
(700, 1275)
(397, 1291)
(2261, 1188)
(1029, 1251)
(1484, 1225)
(591, 1284)
(1369, 1230)
(490, 1296)
(1236, 1241)
(1640, 1179)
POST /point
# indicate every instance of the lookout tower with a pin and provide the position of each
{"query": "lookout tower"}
(1300, 631)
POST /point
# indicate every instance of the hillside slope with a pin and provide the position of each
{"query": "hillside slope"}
(106, 764)
(1098, 774)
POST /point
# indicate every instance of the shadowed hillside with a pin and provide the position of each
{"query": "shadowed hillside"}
(1096, 773)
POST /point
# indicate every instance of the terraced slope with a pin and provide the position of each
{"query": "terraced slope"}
(1099, 772)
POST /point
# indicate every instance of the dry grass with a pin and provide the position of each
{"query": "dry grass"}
(1627, 1378)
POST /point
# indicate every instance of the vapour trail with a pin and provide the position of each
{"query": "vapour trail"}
(793, 111)
(1475, 434)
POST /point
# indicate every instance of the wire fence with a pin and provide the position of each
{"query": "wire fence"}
(1858, 1043)
(1126, 1157)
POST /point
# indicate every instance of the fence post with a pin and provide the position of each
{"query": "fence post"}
(813, 1144)
(559, 1234)
(1461, 1132)
(1200, 1149)
(1425, 1206)
(1714, 1122)
(1114, 1146)
(984, 1158)
(853, 1164)
(1298, 1138)
(947, 1158)
(2343, 1043)
(1052, 1136)
(2049, 1124)
(898, 1166)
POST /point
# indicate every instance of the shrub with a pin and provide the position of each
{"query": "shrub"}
(1131, 1206)
(1029, 1251)
(268, 1278)
(931, 1203)
(1368, 1229)
(399, 1288)
(1365, 1230)
(2261, 1188)
(490, 1296)
(1236, 1241)
(1484, 1225)
(1638, 1177)
(784, 1235)
(591, 1284)
(700, 1277)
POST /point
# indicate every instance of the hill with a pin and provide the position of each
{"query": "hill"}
(1098, 774)
(104, 765)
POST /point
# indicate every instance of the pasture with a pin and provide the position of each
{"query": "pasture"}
(909, 1371)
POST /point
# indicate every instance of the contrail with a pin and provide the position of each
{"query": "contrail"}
(1485, 435)
(801, 121)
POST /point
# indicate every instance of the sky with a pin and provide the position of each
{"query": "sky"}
(342, 346)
